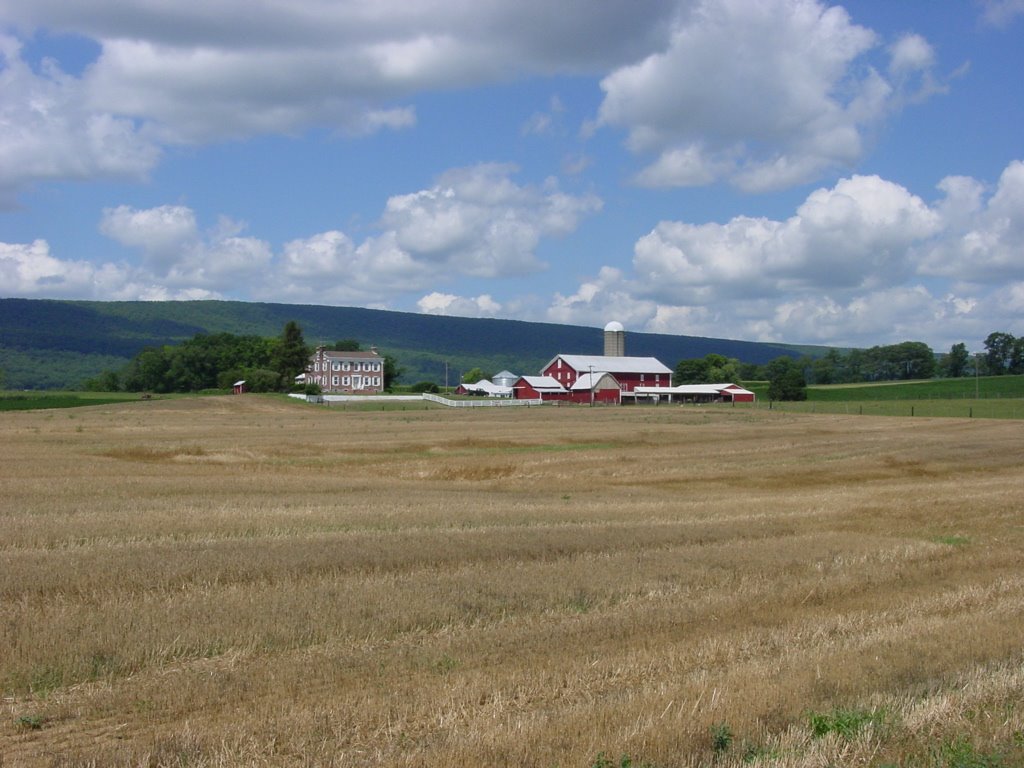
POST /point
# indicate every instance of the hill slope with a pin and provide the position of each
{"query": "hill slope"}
(57, 344)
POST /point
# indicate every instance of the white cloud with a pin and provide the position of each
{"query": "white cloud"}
(475, 222)
(448, 304)
(763, 95)
(478, 222)
(911, 53)
(30, 270)
(983, 242)
(1001, 13)
(858, 234)
(177, 254)
(50, 131)
(161, 232)
(329, 267)
(605, 297)
(172, 72)
(861, 263)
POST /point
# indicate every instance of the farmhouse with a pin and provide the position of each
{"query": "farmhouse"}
(350, 372)
(595, 378)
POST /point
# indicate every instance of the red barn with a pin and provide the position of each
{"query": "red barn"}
(629, 372)
(543, 387)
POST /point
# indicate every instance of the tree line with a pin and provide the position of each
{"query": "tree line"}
(788, 377)
(218, 360)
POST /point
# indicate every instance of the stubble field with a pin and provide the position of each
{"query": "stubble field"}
(245, 581)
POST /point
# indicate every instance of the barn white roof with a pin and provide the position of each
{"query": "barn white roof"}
(543, 383)
(609, 364)
(694, 389)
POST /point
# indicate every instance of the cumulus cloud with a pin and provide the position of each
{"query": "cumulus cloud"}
(51, 131)
(462, 306)
(984, 241)
(763, 95)
(860, 263)
(179, 255)
(858, 234)
(478, 222)
(30, 270)
(475, 222)
(1001, 13)
(171, 72)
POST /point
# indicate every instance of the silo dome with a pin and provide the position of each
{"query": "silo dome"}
(614, 339)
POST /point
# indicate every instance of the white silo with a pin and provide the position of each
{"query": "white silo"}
(614, 340)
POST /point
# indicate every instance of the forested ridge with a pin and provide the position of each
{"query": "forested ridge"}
(50, 344)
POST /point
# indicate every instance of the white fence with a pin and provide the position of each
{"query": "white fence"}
(479, 403)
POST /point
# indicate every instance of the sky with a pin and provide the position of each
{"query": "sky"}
(767, 170)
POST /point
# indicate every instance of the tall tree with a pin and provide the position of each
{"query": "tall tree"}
(391, 371)
(955, 364)
(691, 371)
(291, 354)
(786, 380)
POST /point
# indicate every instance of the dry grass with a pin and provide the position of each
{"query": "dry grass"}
(243, 581)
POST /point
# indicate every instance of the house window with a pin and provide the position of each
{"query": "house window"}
(336, 367)
(334, 381)
(344, 366)
(376, 366)
(376, 381)
(345, 380)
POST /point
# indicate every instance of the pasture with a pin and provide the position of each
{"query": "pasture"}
(249, 581)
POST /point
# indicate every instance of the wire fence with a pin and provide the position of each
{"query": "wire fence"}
(997, 408)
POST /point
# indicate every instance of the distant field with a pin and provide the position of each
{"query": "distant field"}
(985, 388)
(990, 397)
(35, 400)
(251, 581)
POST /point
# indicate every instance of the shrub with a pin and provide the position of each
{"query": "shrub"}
(844, 722)
(721, 737)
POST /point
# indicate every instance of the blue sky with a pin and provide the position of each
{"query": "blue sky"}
(767, 170)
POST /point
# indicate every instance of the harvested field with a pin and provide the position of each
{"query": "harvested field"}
(246, 581)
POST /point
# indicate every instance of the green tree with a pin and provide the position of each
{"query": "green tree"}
(263, 380)
(346, 345)
(147, 372)
(786, 380)
(106, 381)
(955, 364)
(827, 369)
(291, 354)
(691, 371)
(722, 369)
(999, 355)
(391, 371)
(473, 375)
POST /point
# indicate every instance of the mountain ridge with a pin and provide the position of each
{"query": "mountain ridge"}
(54, 343)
